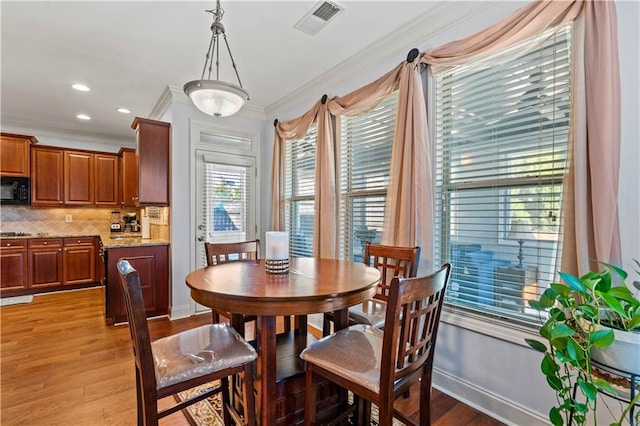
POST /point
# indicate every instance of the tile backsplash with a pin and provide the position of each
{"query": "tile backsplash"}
(53, 221)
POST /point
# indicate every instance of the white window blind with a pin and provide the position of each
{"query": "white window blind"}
(226, 203)
(300, 174)
(501, 142)
(365, 160)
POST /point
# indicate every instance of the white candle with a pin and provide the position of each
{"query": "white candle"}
(277, 245)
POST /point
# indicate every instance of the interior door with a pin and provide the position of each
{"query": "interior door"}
(225, 200)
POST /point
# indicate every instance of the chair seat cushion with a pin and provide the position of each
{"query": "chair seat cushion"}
(353, 353)
(198, 352)
(371, 312)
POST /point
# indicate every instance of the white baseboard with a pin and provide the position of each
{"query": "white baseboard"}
(177, 312)
(482, 400)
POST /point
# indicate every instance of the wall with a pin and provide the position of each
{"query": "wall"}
(489, 366)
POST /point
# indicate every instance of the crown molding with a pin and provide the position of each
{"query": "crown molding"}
(396, 45)
(25, 127)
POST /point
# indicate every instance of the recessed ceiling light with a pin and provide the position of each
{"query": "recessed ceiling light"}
(123, 110)
(83, 117)
(81, 87)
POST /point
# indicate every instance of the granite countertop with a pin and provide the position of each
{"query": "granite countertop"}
(108, 241)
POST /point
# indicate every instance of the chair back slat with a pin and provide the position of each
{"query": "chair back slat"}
(392, 262)
(218, 253)
(413, 314)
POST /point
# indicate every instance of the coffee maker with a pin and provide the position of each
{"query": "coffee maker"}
(131, 222)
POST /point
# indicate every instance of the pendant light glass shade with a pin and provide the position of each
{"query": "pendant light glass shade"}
(215, 97)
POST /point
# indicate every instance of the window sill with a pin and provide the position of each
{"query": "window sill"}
(493, 327)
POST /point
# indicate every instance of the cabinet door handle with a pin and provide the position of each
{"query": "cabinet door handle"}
(45, 243)
(59, 249)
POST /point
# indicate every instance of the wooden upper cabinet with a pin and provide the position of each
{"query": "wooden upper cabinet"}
(15, 156)
(106, 180)
(47, 176)
(79, 172)
(153, 148)
(128, 169)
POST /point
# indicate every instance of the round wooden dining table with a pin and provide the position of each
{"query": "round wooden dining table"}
(311, 286)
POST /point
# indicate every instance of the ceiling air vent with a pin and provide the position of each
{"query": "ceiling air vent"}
(318, 17)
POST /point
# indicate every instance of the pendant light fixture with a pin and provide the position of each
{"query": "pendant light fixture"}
(215, 97)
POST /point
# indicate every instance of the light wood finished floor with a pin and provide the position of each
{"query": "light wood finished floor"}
(61, 365)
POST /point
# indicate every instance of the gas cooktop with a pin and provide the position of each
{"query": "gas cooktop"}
(14, 234)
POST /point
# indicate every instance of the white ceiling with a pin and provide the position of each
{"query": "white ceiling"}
(129, 52)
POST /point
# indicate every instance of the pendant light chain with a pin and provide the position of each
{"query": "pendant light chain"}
(215, 97)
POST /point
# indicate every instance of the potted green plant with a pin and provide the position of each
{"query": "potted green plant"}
(584, 315)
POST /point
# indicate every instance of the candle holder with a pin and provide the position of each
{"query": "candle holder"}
(277, 256)
(277, 266)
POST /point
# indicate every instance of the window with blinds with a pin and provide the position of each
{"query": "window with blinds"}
(501, 140)
(365, 160)
(299, 192)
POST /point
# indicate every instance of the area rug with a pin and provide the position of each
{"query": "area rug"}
(208, 412)
(16, 300)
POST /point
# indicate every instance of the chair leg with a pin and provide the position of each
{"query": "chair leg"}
(425, 399)
(310, 398)
(326, 326)
(226, 400)
(385, 414)
(287, 323)
(215, 316)
(249, 397)
(139, 397)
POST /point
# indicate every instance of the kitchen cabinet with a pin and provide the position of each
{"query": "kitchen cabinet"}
(13, 265)
(73, 178)
(79, 174)
(47, 172)
(15, 155)
(152, 263)
(128, 168)
(45, 262)
(79, 260)
(153, 148)
(106, 180)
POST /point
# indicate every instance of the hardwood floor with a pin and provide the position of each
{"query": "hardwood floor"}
(61, 365)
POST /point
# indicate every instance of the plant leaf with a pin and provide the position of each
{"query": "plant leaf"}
(602, 338)
(613, 303)
(548, 366)
(573, 282)
(555, 417)
(634, 323)
(621, 272)
(589, 390)
(561, 330)
(554, 383)
(538, 346)
(575, 351)
(604, 385)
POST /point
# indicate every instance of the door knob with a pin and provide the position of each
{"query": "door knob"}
(200, 238)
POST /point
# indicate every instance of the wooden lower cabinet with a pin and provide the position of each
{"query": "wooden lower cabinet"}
(79, 258)
(45, 262)
(152, 263)
(13, 265)
(37, 265)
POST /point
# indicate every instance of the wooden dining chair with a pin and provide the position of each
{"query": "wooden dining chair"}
(391, 261)
(218, 253)
(379, 366)
(185, 360)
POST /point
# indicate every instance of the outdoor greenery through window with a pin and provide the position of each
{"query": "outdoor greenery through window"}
(365, 160)
(502, 126)
(299, 192)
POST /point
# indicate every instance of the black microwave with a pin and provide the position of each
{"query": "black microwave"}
(15, 191)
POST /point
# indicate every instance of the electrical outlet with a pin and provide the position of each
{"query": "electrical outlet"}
(68, 218)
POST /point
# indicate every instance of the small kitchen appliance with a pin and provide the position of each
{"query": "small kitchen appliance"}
(116, 226)
(131, 222)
